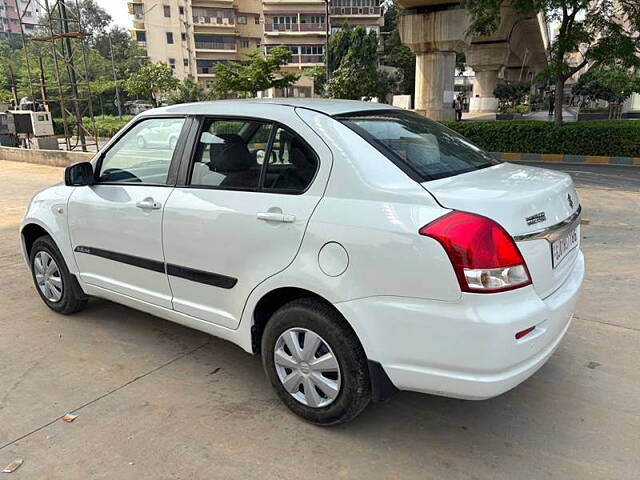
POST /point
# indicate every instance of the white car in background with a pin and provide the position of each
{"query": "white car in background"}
(358, 248)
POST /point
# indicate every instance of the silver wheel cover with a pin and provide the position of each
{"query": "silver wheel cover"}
(48, 276)
(307, 367)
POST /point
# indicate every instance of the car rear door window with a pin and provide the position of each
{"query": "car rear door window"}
(143, 154)
(292, 164)
(230, 154)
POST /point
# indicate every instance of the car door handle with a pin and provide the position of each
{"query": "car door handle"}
(149, 204)
(276, 217)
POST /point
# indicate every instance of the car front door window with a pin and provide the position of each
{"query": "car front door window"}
(143, 154)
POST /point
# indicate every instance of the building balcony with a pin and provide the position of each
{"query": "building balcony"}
(224, 22)
(216, 46)
(305, 60)
(355, 11)
(295, 28)
(207, 3)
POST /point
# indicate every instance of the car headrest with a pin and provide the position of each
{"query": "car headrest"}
(230, 156)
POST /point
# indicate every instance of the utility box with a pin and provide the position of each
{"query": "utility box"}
(38, 124)
(7, 125)
(8, 137)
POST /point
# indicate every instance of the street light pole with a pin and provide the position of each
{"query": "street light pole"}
(115, 79)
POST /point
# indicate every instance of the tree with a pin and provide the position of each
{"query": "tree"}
(613, 85)
(128, 56)
(95, 19)
(601, 32)
(188, 91)
(511, 94)
(398, 55)
(353, 55)
(152, 82)
(319, 75)
(259, 73)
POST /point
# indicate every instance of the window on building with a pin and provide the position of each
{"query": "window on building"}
(183, 36)
(215, 42)
(172, 63)
(167, 11)
(244, 43)
(242, 19)
(312, 19)
(284, 22)
(181, 10)
(311, 49)
(170, 37)
(185, 61)
(141, 36)
(257, 19)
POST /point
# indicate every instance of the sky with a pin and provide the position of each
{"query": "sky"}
(118, 10)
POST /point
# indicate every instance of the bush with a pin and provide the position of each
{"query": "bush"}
(107, 126)
(516, 109)
(600, 137)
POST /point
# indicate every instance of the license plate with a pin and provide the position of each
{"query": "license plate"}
(561, 247)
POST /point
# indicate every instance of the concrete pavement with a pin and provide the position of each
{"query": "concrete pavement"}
(157, 400)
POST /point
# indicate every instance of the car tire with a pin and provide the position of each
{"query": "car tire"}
(62, 293)
(293, 321)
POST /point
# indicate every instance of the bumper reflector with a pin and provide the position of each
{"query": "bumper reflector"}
(524, 332)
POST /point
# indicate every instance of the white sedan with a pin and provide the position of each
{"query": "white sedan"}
(358, 248)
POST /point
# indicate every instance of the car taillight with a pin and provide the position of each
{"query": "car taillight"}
(484, 256)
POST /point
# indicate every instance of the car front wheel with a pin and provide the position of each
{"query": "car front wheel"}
(315, 362)
(56, 286)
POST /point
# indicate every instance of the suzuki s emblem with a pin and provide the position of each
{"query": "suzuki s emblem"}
(570, 200)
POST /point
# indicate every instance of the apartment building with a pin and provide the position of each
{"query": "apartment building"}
(193, 35)
(10, 12)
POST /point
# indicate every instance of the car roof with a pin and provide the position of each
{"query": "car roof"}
(326, 106)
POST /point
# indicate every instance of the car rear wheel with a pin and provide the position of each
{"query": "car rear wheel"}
(57, 287)
(315, 362)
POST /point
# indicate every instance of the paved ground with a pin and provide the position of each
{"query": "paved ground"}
(156, 400)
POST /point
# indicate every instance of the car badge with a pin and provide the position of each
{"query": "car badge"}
(570, 200)
(537, 218)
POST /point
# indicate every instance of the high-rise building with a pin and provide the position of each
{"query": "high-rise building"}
(10, 13)
(193, 35)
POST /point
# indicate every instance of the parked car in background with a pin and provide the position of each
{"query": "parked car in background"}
(358, 248)
(135, 107)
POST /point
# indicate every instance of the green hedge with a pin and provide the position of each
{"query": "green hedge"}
(619, 138)
(107, 126)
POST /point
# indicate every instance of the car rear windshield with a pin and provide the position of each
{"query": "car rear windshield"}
(422, 148)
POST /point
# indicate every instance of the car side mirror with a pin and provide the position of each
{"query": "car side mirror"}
(79, 174)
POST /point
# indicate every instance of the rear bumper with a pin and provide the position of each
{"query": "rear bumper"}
(465, 349)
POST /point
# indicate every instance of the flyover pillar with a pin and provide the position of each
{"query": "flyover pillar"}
(434, 36)
(487, 61)
(435, 83)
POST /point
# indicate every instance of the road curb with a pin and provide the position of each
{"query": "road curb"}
(562, 158)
